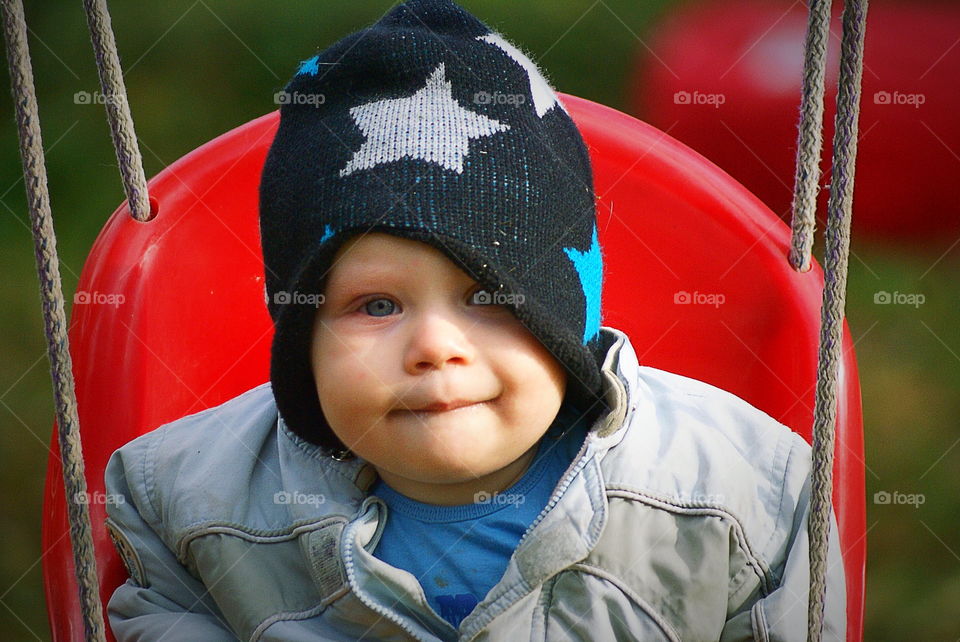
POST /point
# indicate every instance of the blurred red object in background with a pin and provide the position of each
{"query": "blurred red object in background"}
(725, 78)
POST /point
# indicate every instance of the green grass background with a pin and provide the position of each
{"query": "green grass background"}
(196, 68)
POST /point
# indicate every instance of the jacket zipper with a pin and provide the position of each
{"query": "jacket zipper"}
(348, 567)
(565, 481)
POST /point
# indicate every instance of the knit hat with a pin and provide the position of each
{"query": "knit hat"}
(429, 126)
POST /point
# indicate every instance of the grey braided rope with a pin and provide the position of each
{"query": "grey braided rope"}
(48, 269)
(836, 255)
(806, 185)
(118, 110)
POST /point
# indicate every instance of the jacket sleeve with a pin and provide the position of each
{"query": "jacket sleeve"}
(781, 615)
(161, 599)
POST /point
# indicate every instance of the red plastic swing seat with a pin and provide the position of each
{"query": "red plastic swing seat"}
(695, 273)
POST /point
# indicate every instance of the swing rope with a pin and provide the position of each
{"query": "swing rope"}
(836, 254)
(810, 140)
(51, 294)
(118, 109)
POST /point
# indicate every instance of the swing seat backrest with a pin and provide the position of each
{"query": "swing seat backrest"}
(169, 316)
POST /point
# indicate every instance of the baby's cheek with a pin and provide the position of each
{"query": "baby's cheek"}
(361, 388)
(340, 360)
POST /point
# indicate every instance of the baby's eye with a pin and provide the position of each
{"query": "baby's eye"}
(379, 307)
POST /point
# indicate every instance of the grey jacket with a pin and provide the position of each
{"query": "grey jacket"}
(683, 517)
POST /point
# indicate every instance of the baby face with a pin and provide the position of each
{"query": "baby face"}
(445, 397)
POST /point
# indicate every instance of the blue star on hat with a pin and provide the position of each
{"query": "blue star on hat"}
(589, 266)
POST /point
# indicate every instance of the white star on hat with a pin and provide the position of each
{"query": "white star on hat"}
(430, 125)
(544, 98)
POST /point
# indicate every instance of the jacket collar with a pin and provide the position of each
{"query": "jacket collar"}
(338, 489)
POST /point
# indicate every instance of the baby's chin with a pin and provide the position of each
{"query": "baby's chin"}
(447, 467)
(448, 448)
(437, 465)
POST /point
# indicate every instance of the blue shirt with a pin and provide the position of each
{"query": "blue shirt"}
(458, 553)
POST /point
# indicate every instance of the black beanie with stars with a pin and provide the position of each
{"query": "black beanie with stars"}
(429, 126)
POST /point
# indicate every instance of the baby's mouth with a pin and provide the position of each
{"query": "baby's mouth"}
(440, 407)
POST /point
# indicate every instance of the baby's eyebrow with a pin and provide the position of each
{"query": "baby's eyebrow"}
(369, 275)
(364, 278)
(353, 283)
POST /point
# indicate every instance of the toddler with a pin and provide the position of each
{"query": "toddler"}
(451, 446)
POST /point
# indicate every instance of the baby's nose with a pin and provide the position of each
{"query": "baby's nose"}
(437, 340)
